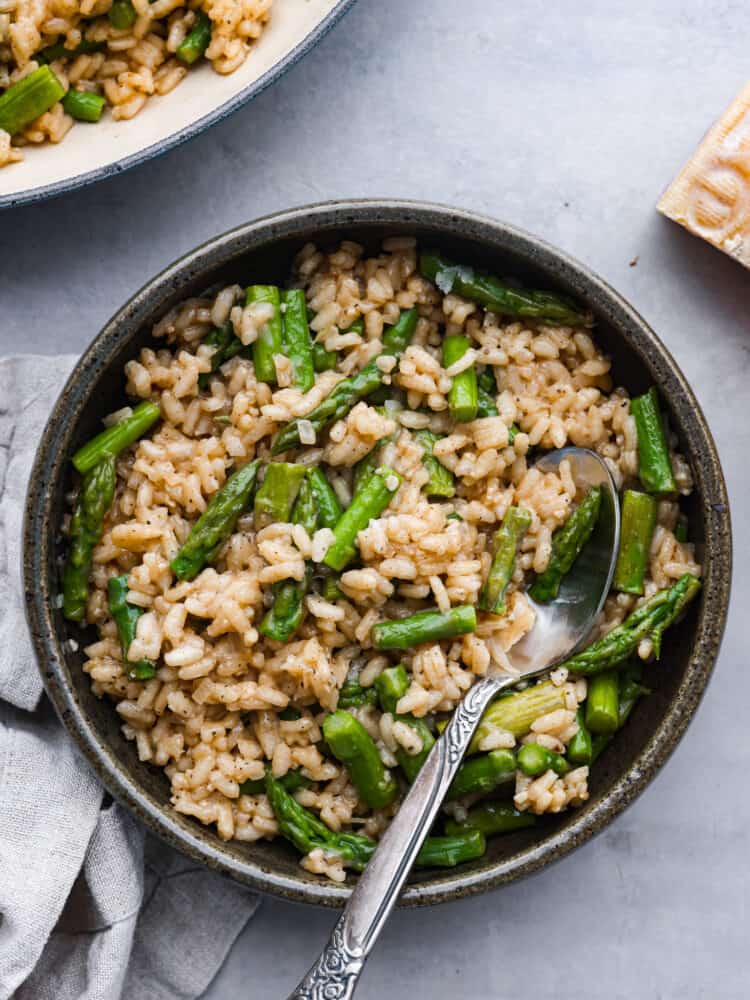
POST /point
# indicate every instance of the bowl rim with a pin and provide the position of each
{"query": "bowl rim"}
(42, 192)
(331, 216)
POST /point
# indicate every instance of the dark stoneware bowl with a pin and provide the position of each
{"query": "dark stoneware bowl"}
(263, 251)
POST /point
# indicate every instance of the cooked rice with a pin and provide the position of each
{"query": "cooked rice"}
(211, 717)
(132, 64)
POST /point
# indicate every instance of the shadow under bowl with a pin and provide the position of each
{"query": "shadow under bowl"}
(263, 251)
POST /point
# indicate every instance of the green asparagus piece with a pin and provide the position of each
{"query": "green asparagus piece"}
(636, 531)
(287, 612)
(508, 537)
(534, 760)
(579, 748)
(326, 361)
(603, 704)
(391, 685)
(329, 508)
(82, 106)
(59, 51)
(114, 439)
(195, 43)
(654, 463)
(25, 100)
(425, 626)
(122, 14)
(486, 381)
(125, 616)
(492, 818)
(515, 713)
(224, 340)
(497, 295)
(307, 832)
(649, 621)
(353, 695)
(351, 390)
(441, 482)
(331, 589)
(296, 338)
(681, 529)
(354, 747)
(452, 850)
(369, 503)
(277, 493)
(486, 406)
(567, 543)
(462, 396)
(323, 360)
(483, 774)
(94, 500)
(270, 338)
(216, 523)
(365, 467)
(290, 781)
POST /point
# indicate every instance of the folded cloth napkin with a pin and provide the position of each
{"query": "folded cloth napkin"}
(91, 907)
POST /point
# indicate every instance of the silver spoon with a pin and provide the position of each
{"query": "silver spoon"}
(560, 627)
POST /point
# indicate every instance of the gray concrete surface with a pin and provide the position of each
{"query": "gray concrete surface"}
(567, 119)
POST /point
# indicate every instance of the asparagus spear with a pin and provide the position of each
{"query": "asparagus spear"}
(391, 685)
(441, 482)
(496, 295)
(492, 818)
(516, 712)
(83, 106)
(425, 626)
(296, 338)
(462, 396)
(331, 589)
(227, 345)
(354, 747)
(269, 341)
(126, 616)
(452, 849)
(353, 695)
(508, 537)
(195, 43)
(630, 692)
(352, 389)
(59, 51)
(534, 760)
(278, 491)
(579, 749)
(486, 407)
(94, 500)
(326, 361)
(25, 100)
(483, 774)
(329, 508)
(215, 524)
(636, 531)
(567, 543)
(122, 14)
(654, 463)
(114, 439)
(288, 609)
(369, 503)
(649, 621)
(290, 781)
(307, 833)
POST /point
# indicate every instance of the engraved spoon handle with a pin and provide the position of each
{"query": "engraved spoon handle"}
(336, 973)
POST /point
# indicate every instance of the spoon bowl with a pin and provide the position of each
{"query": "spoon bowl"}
(560, 627)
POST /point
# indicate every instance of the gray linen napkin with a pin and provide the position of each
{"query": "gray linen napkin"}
(91, 908)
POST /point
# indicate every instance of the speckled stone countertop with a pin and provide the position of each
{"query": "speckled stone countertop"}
(569, 123)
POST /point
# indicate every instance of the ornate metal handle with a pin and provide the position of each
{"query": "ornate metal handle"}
(336, 973)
